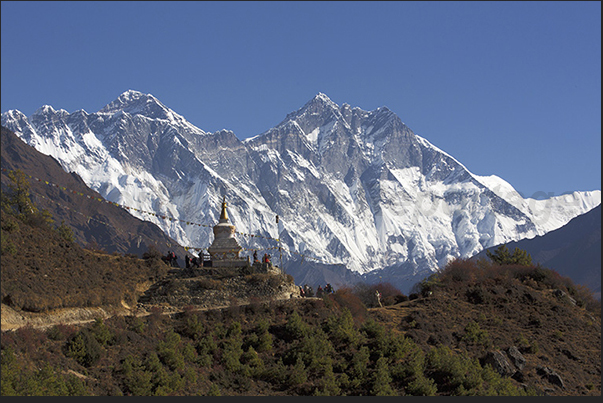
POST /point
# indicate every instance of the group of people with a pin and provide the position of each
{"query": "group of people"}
(265, 258)
(308, 291)
(171, 259)
(193, 262)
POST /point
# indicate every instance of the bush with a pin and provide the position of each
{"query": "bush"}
(477, 295)
(65, 232)
(346, 298)
(422, 386)
(152, 253)
(476, 335)
(84, 348)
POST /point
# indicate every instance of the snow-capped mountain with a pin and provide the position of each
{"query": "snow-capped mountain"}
(353, 189)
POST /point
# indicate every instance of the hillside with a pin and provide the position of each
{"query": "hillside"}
(49, 278)
(94, 222)
(467, 331)
(573, 250)
(44, 268)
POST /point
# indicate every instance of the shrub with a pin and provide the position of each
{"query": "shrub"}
(60, 332)
(152, 253)
(84, 348)
(475, 335)
(65, 232)
(7, 246)
(422, 386)
(477, 295)
(366, 293)
(346, 298)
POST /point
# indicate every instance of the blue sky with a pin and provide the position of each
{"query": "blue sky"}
(511, 89)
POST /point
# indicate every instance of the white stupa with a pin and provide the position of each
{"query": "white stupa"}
(225, 249)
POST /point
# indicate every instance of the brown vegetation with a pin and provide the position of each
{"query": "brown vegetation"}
(443, 340)
(43, 270)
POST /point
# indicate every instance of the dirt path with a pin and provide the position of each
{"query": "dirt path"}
(13, 320)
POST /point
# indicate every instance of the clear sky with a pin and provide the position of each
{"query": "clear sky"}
(511, 89)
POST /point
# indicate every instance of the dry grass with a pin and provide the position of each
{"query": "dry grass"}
(46, 272)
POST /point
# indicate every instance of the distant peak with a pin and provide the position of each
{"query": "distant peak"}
(324, 99)
(131, 95)
(322, 96)
(320, 101)
(44, 109)
(136, 102)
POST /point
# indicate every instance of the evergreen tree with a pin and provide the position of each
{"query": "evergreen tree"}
(264, 337)
(328, 385)
(382, 379)
(17, 201)
(359, 370)
(84, 348)
(17, 197)
(297, 373)
(503, 256)
(65, 232)
(422, 386)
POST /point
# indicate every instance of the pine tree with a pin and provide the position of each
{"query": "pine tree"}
(382, 379)
(503, 256)
(264, 338)
(298, 374)
(65, 232)
(328, 385)
(17, 197)
(17, 200)
(359, 370)
(521, 257)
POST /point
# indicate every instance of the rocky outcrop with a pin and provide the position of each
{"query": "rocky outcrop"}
(498, 361)
(509, 364)
(203, 288)
(216, 288)
(516, 357)
(551, 376)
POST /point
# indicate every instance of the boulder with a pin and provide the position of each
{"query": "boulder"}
(551, 376)
(563, 296)
(498, 361)
(516, 357)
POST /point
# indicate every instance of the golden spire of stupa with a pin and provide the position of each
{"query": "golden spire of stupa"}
(223, 214)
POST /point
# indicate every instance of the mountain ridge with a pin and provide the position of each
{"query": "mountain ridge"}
(573, 250)
(352, 187)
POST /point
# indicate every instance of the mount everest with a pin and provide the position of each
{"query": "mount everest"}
(358, 194)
